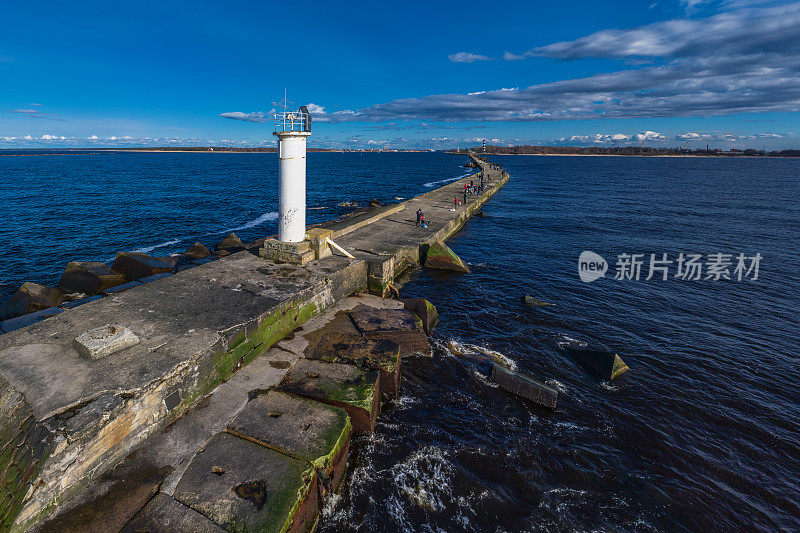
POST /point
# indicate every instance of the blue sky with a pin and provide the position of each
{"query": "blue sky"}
(416, 74)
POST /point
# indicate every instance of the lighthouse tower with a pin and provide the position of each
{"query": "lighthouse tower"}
(292, 129)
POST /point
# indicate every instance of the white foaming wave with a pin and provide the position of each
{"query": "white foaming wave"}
(560, 387)
(446, 180)
(483, 379)
(457, 348)
(404, 402)
(146, 249)
(425, 477)
(266, 217)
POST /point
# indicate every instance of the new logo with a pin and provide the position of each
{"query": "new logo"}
(591, 266)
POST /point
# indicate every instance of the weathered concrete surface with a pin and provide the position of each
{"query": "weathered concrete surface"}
(89, 277)
(171, 449)
(217, 317)
(524, 386)
(287, 252)
(162, 514)
(23, 321)
(313, 432)
(382, 355)
(82, 301)
(112, 500)
(398, 325)
(354, 390)
(119, 288)
(425, 310)
(243, 486)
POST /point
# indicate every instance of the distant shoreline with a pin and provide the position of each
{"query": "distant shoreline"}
(191, 150)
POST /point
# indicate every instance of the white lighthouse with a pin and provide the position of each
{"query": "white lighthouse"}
(292, 129)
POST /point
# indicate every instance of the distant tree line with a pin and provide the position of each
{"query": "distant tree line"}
(629, 150)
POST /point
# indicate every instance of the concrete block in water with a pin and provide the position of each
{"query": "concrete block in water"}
(165, 515)
(314, 432)
(105, 340)
(197, 251)
(137, 265)
(524, 386)
(29, 298)
(89, 277)
(245, 486)
(424, 310)
(599, 363)
(355, 390)
(439, 256)
(530, 301)
(231, 243)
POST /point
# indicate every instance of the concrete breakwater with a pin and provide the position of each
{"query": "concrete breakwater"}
(222, 395)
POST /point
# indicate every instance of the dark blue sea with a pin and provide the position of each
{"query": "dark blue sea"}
(700, 434)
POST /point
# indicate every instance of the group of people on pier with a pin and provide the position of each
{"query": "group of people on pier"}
(470, 189)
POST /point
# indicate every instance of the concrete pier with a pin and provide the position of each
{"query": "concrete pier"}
(150, 431)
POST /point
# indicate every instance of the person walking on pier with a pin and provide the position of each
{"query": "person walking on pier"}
(455, 201)
(419, 217)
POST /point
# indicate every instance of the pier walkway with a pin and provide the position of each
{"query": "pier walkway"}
(127, 439)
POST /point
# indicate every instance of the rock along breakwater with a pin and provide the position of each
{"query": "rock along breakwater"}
(222, 396)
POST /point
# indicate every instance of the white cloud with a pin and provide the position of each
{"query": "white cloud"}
(93, 137)
(259, 116)
(744, 61)
(466, 57)
(315, 109)
(508, 56)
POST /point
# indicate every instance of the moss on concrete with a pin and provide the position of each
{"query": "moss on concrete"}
(439, 256)
(337, 439)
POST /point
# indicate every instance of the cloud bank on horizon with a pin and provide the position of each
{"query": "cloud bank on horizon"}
(742, 61)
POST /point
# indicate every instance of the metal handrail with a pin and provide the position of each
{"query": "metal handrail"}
(292, 121)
